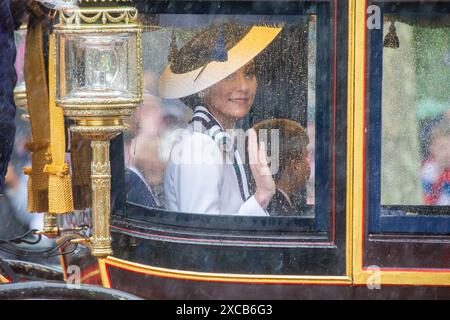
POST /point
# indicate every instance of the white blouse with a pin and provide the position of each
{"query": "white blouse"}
(199, 179)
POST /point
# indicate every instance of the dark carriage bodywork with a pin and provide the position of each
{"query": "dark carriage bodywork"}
(159, 254)
(169, 255)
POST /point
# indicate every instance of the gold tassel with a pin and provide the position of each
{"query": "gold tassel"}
(60, 195)
(38, 180)
(35, 78)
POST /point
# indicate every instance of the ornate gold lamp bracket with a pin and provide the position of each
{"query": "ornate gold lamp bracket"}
(99, 85)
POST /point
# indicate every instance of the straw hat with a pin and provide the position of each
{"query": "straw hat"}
(211, 56)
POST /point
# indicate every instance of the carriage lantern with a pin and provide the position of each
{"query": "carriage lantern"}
(98, 85)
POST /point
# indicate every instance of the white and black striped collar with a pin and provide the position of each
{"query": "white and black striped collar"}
(204, 121)
(204, 113)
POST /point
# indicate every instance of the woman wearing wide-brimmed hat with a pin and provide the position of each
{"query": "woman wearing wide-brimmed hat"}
(205, 172)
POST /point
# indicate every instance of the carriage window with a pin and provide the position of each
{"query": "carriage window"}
(410, 124)
(208, 79)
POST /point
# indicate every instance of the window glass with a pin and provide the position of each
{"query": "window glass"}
(415, 143)
(208, 79)
(408, 120)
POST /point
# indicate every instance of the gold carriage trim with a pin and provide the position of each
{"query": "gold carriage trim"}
(4, 279)
(116, 15)
(213, 277)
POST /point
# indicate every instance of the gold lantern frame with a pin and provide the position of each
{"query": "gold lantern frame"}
(109, 20)
(98, 119)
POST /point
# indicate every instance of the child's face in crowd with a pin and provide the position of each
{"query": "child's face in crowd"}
(440, 148)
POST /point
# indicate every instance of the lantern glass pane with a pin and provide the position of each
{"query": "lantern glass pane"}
(98, 67)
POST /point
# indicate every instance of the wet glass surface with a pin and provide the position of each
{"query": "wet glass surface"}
(97, 67)
(415, 156)
(281, 104)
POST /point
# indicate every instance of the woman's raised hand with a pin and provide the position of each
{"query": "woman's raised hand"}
(265, 186)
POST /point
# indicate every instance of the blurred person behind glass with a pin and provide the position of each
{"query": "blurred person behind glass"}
(146, 152)
(435, 170)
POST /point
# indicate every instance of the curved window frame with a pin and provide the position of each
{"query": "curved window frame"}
(271, 239)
